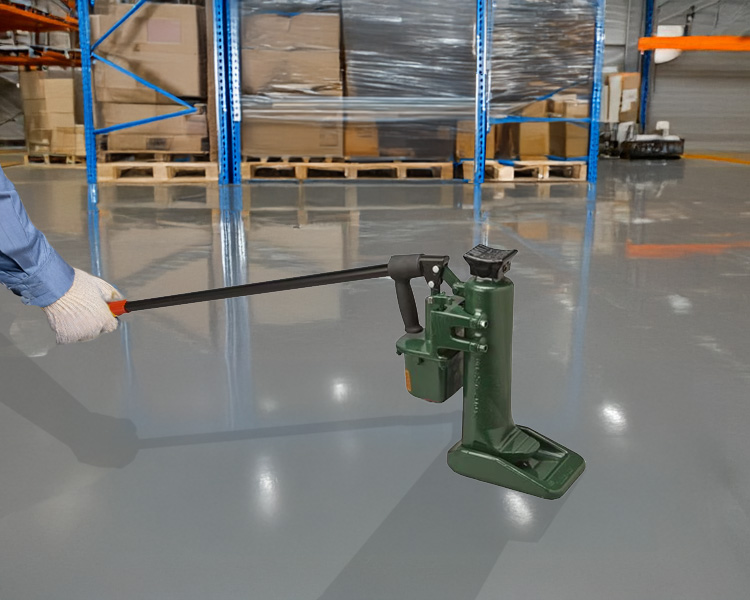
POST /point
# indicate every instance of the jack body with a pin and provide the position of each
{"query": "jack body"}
(467, 342)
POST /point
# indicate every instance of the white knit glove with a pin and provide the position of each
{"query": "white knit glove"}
(82, 313)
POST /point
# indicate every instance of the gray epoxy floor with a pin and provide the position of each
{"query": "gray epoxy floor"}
(267, 448)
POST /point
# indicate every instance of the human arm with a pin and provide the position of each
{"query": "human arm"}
(74, 301)
(29, 266)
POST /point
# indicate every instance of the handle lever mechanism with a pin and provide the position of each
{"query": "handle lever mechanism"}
(402, 269)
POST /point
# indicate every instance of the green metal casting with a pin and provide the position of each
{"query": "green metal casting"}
(467, 341)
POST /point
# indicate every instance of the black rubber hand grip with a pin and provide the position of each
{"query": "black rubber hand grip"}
(402, 269)
(408, 307)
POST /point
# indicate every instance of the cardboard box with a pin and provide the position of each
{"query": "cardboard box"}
(361, 140)
(465, 140)
(298, 71)
(575, 109)
(112, 86)
(109, 113)
(68, 140)
(631, 83)
(533, 140)
(48, 104)
(162, 43)
(431, 139)
(301, 31)
(535, 109)
(614, 98)
(271, 132)
(604, 117)
(39, 119)
(56, 86)
(176, 144)
(39, 140)
(569, 140)
(556, 103)
(32, 84)
(504, 145)
(624, 89)
(523, 140)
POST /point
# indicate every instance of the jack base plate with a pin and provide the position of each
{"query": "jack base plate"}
(547, 473)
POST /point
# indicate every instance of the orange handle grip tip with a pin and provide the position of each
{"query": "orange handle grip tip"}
(118, 307)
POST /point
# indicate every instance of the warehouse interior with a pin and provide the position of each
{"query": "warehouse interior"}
(269, 445)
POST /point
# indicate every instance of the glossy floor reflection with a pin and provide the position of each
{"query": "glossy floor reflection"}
(266, 447)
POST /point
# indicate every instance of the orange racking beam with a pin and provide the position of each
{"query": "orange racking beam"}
(14, 17)
(46, 59)
(716, 43)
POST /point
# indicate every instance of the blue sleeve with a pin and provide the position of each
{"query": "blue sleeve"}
(29, 266)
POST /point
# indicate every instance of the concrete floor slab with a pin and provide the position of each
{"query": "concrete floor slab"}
(266, 447)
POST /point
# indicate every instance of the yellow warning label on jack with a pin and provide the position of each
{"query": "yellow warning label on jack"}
(408, 381)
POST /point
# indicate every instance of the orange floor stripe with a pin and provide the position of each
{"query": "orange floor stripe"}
(729, 159)
(678, 250)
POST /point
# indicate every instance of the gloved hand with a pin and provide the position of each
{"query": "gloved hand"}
(82, 313)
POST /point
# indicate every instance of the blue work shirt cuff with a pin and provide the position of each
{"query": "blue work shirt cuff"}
(49, 283)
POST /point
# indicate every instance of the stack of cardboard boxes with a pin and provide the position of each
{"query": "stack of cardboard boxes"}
(165, 45)
(555, 140)
(568, 140)
(291, 65)
(544, 140)
(49, 108)
(465, 141)
(533, 140)
(620, 99)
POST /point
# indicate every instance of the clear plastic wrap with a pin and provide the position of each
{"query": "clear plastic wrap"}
(408, 67)
(408, 49)
(540, 47)
(11, 110)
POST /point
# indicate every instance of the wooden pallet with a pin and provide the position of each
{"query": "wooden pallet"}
(493, 171)
(53, 159)
(293, 159)
(107, 156)
(529, 170)
(347, 170)
(158, 172)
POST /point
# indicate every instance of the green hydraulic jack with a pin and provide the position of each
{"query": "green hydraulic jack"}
(466, 342)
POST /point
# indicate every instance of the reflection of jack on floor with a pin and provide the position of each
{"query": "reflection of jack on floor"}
(466, 343)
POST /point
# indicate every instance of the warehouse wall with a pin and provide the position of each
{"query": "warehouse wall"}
(623, 25)
(705, 98)
(702, 94)
(11, 112)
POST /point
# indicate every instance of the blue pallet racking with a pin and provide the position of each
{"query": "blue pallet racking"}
(647, 61)
(88, 57)
(483, 121)
(226, 33)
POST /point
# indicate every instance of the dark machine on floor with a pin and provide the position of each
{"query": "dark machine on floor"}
(466, 343)
(623, 140)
